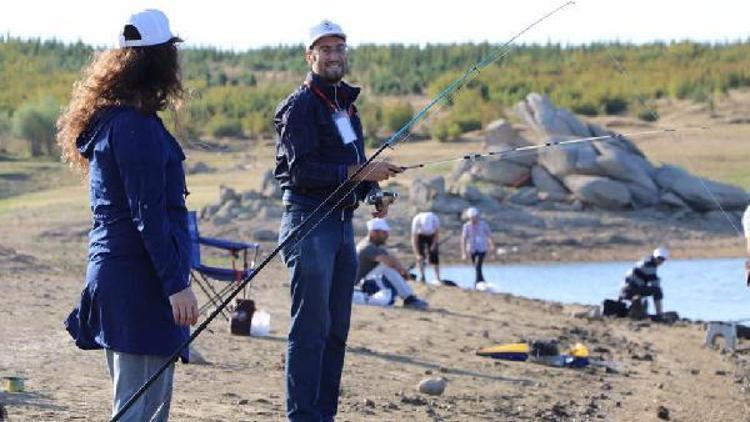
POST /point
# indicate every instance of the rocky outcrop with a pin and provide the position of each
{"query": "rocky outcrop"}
(609, 173)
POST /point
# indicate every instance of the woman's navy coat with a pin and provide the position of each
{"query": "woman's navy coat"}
(139, 243)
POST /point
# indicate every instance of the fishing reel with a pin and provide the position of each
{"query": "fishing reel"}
(380, 198)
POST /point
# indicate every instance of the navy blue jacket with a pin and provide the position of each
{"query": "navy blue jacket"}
(139, 243)
(311, 158)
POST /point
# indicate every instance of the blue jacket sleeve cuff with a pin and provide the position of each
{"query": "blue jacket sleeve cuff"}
(175, 284)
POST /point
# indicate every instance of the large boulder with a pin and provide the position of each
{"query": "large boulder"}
(199, 167)
(423, 191)
(539, 112)
(524, 196)
(671, 200)
(546, 182)
(227, 194)
(701, 194)
(599, 191)
(471, 193)
(501, 172)
(501, 134)
(448, 204)
(563, 160)
(621, 164)
(270, 187)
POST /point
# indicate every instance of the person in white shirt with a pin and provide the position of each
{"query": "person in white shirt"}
(476, 241)
(425, 235)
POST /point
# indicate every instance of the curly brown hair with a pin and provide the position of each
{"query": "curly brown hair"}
(147, 78)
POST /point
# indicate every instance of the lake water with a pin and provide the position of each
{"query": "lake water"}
(706, 289)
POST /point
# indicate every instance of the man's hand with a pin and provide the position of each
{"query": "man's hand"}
(376, 171)
(184, 307)
(463, 257)
(381, 211)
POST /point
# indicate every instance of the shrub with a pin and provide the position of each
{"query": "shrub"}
(396, 116)
(647, 115)
(35, 123)
(221, 127)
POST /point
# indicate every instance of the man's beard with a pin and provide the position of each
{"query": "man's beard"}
(333, 74)
(378, 241)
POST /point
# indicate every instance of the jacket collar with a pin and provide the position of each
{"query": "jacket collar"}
(346, 93)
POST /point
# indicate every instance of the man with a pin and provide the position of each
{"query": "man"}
(320, 144)
(642, 281)
(376, 263)
(476, 240)
(425, 235)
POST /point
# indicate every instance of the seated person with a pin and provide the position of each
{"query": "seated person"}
(642, 281)
(387, 272)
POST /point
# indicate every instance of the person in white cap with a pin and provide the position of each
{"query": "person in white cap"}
(476, 241)
(425, 238)
(137, 303)
(642, 281)
(375, 263)
(319, 146)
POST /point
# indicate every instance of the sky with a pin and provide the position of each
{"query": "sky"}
(241, 25)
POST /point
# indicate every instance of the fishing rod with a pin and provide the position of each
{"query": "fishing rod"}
(348, 186)
(518, 151)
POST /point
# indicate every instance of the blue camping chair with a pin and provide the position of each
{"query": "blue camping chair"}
(204, 275)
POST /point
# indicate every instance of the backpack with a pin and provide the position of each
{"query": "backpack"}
(615, 308)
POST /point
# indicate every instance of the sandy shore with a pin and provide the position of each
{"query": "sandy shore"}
(390, 351)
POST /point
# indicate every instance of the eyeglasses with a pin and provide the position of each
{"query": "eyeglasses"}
(330, 49)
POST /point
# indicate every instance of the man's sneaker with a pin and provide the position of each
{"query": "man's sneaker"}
(414, 302)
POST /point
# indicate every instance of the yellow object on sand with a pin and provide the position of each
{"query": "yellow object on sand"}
(13, 384)
(579, 351)
(508, 348)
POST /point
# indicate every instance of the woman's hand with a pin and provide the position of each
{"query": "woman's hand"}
(184, 307)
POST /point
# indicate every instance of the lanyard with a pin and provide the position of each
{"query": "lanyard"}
(330, 104)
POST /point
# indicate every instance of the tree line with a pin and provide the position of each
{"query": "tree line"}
(234, 94)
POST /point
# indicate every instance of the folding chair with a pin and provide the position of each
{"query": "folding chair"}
(204, 275)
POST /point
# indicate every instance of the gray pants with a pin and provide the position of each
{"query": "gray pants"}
(393, 276)
(128, 373)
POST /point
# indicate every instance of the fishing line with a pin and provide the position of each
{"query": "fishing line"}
(675, 136)
(521, 151)
(351, 183)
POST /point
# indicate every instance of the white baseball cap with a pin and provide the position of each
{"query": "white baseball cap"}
(325, 28)
(472, 212)
(146, 28)
(378, 224)
(661, 252)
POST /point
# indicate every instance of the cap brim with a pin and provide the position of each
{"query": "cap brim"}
(333, 34)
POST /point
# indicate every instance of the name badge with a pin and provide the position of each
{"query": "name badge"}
(344, 126)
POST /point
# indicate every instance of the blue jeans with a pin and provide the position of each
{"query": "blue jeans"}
(322, 267)
(129, 372)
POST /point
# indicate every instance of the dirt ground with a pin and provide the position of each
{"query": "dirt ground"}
(656, 369)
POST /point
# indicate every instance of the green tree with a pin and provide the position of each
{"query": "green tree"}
(397, 115)
(35, 123)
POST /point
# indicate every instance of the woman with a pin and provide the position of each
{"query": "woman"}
(476, 236)
(137, 303)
